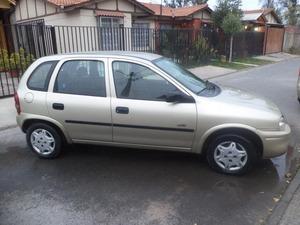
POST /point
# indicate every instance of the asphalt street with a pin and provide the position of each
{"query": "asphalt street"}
(104, 185)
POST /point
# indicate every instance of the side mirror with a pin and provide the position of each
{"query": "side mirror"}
(179, 98)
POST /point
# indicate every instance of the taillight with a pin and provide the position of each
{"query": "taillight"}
(17, 103)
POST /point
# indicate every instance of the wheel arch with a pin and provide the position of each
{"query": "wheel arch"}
(244, 131)
(28, 122)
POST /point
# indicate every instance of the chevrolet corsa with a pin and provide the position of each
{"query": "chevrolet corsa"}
(145, 101)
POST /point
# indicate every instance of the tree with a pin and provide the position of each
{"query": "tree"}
(224, 7)
(268, 3)
(231, 25)
(183, 3)
(227, 16)
(292, 11)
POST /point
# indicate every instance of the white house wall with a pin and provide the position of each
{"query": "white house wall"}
(74, 38)
(32, 9)
(79, 17)
(108, 5)
(125, 6)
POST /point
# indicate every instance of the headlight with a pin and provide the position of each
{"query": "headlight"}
(282, 123)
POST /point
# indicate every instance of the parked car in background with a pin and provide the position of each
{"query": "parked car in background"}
(144, 101)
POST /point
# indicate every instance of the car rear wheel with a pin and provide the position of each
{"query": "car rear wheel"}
(44, 140)
(231, 154)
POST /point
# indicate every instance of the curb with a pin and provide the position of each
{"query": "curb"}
(280, 208)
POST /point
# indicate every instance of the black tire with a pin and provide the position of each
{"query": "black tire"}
(243, 143)
(57, 146)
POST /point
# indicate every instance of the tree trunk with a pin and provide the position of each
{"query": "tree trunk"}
(231, 47)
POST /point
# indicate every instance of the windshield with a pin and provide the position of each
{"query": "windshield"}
(185, 77)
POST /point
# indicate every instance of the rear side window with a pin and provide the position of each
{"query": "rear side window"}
(81, 77)
(39, 79)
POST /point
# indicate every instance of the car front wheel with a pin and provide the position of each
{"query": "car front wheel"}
(231, 154)
(44, 140)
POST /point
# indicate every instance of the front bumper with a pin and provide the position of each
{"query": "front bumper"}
(275, 143)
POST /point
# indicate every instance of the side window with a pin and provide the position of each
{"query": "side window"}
(133, 81)
(81, 77)
(39, 79)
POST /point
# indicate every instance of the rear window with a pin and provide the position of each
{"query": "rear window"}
(81, 77)
(39, 79)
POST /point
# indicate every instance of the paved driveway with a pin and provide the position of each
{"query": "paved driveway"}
(102, 185)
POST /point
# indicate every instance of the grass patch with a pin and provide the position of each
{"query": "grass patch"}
(228, 65)
(234, 66)
(250, 60)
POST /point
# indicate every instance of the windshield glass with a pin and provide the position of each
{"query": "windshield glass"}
(185, 77)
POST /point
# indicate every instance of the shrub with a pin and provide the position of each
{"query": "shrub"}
(202, 52)
(15, 61)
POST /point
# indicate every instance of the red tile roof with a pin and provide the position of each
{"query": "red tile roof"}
(175, 12)
(109, 13)
(67, 2)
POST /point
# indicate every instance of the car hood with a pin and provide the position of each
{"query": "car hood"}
(246, 99)
(233, 105)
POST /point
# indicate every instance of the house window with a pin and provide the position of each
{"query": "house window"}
(111, 22)
(111, 33)
(140, 35)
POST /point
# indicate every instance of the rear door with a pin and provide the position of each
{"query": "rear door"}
(79, 99)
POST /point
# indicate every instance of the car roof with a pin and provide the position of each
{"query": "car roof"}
(140, 55)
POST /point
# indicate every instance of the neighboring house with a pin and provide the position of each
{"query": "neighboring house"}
(193, 17)
(121, 24)
(256, 20)
(80, 12)
(107, 15)
(268, 23)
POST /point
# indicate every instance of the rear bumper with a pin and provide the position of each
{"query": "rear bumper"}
(275, 143)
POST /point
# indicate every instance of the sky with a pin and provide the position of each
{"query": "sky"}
(246, 4)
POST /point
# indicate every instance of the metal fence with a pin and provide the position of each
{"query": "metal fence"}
(27, 42)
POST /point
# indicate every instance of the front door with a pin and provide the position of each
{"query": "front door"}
(80, 101)
(140, 113)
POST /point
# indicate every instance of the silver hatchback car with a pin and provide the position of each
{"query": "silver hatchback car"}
(144, 100)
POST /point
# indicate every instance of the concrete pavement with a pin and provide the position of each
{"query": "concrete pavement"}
(209, 72)
(104, 185)
(7, 113)
(277, 57)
